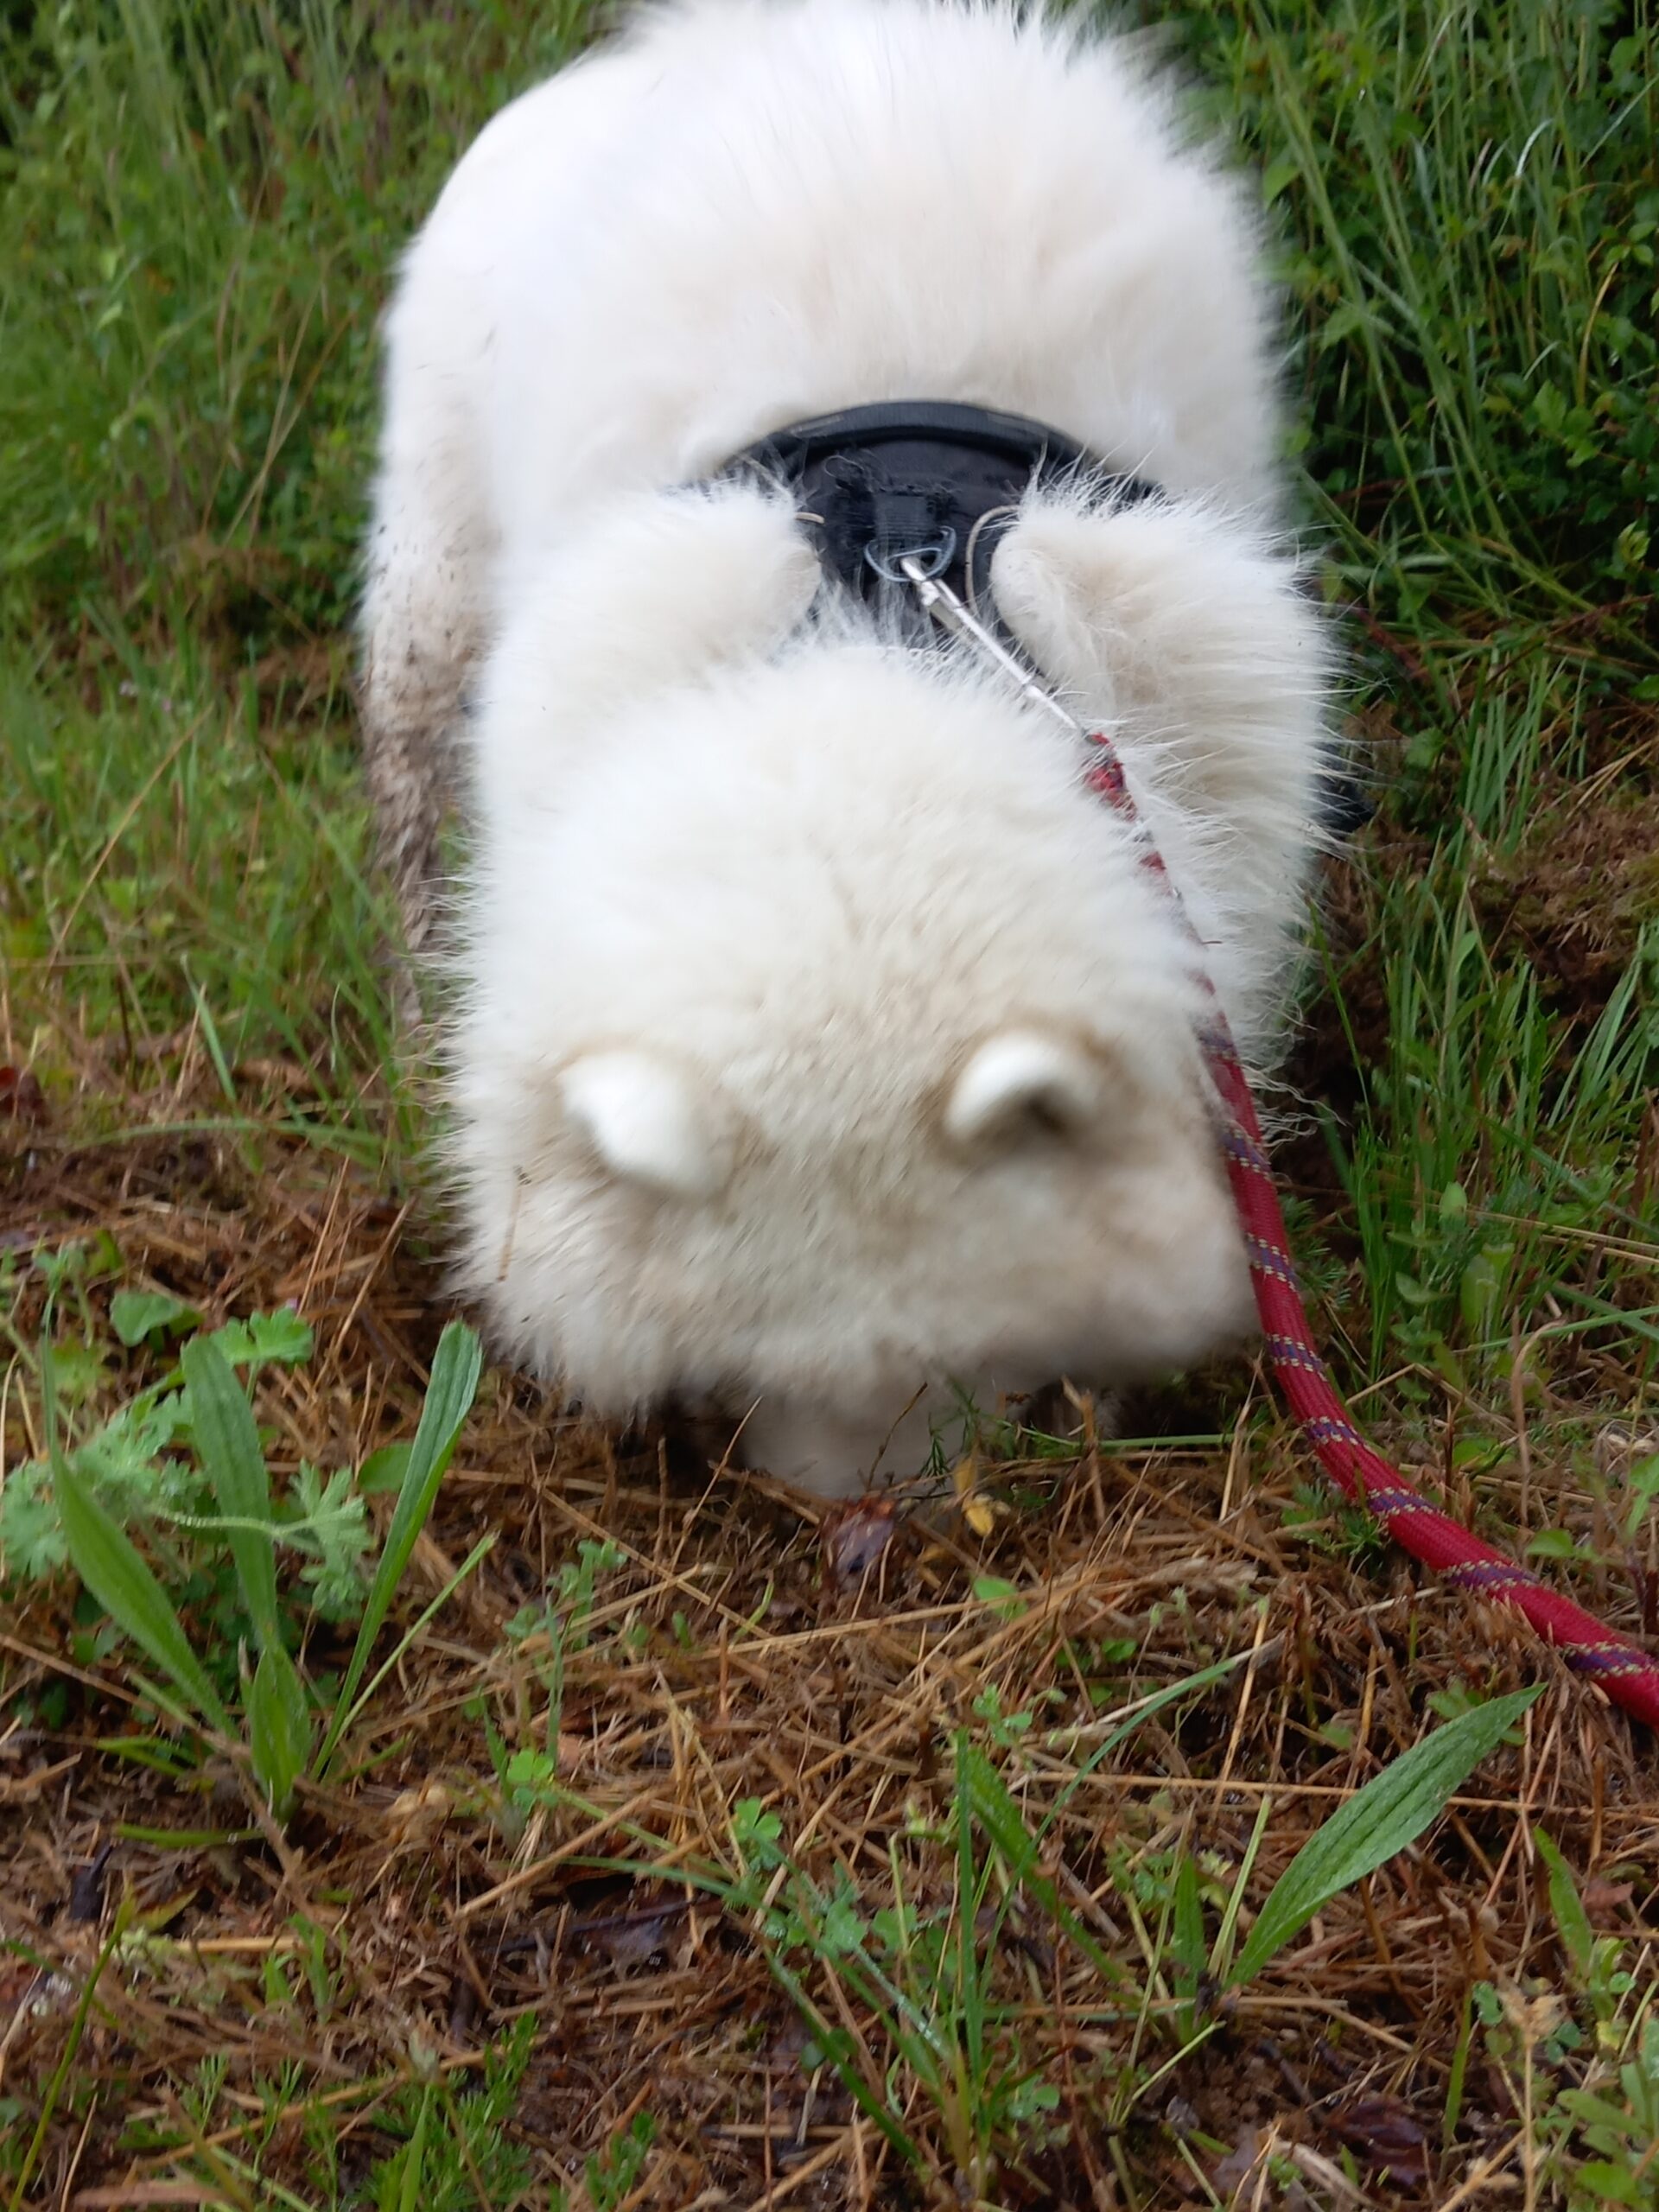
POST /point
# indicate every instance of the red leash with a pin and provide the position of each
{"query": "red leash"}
(1629, 1677)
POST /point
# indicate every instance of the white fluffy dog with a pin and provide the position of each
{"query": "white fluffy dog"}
(824, 1051)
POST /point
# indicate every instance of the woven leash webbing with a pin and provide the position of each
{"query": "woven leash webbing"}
(1622, 1669)
(1629, 1676)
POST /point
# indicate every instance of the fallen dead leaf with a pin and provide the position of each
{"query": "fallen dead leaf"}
(979, 1511)
(1386, 2135)
(856, 1535)
(21, 1095)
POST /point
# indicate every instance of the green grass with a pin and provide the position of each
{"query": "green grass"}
(198, 223)
(1472, 203)
(1469, 198)
(200, 208)
(200, 213)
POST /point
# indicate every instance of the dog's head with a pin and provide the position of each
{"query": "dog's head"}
(825, 1039)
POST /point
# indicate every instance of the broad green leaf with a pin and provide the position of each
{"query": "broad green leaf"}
(1572, 1921)
(79, 1370)
(1614, 2184)
(1187, 1930)
(107, 1562)
(1391, 1811)
(279, 1727)
(227, 1443)
(448, 1401)
(134, 1314)
(384, 1470)
(1591, 2111)
(281, 1337)
(988, 1801)
(1278, 175)
(1002, 1597)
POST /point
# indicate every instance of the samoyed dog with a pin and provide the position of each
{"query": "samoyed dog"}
(823, 1056)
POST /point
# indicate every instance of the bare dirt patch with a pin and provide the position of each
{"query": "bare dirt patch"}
(1576, 895)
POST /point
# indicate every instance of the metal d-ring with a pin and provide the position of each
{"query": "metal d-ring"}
(903, 564)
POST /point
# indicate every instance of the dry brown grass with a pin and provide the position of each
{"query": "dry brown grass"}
(731, 1658)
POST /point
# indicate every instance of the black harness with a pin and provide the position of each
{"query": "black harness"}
(942, 482)
(919, 478)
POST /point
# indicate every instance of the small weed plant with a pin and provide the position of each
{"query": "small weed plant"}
(541, 1638)
(210, 1522)
(1581, 2063)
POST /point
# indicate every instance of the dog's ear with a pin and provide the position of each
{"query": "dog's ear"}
(651, 1123)
(1024, 1085)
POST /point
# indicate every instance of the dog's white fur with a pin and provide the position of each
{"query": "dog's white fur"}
(823, 1044)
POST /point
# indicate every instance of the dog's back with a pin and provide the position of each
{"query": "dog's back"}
(744, 214)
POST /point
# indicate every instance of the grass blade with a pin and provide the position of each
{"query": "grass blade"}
(227, 1443)
(108, 1563)
(65, 2067)
(987, 1797)
(1391, 1811)
(1186, 1932)
(480, 1550)
(408, 2193)
(279, 1727)
(1572, 1921)
(839, 2048)
(1221, 1956)
(448, 1401)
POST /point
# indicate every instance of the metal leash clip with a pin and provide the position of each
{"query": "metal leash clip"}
(951, 613)
(932, 556)
(944, 606)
